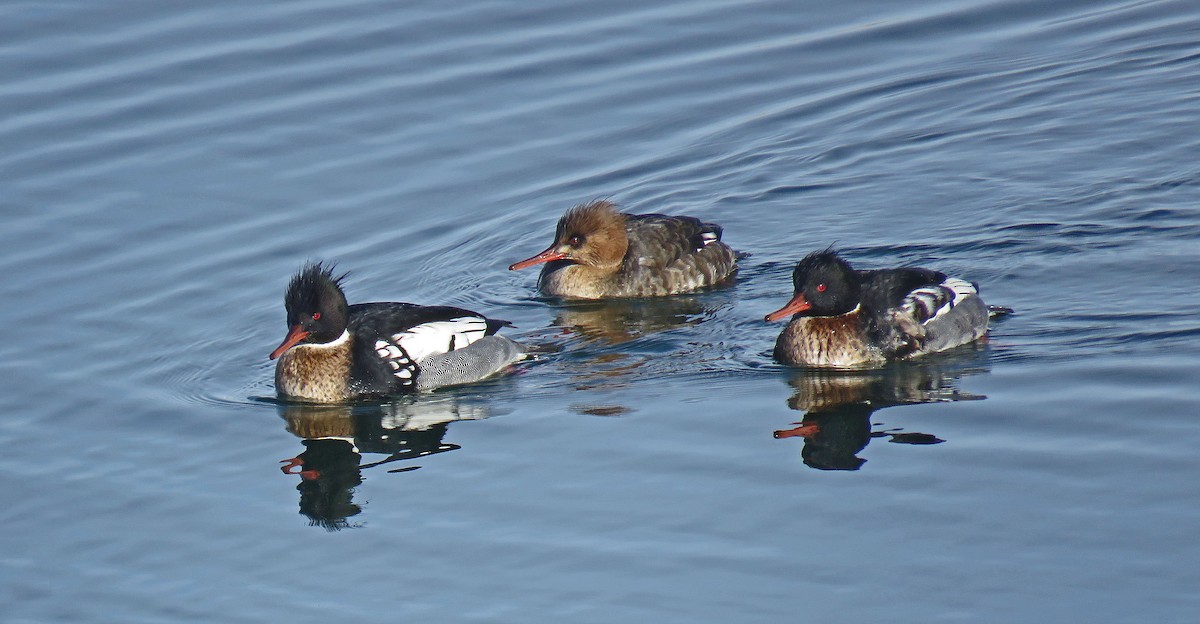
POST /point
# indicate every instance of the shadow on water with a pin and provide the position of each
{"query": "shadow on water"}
(335, 438)
(838, 405)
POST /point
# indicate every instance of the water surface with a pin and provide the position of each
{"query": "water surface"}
(167, 167)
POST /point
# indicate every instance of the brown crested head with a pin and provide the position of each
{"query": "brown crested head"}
(591, 234)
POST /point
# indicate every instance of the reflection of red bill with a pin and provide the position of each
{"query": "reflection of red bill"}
(805, 430)
(296, 462)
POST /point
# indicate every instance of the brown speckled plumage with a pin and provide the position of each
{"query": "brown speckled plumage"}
(315, 373)
(834, 341)
(607, 254)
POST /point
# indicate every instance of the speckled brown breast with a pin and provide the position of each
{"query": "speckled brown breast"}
(832, 341)
(314, 373)
(565, 279)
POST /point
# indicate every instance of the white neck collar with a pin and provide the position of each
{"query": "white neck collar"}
(341, 340)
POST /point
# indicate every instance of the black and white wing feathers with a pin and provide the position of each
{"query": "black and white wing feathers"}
(394, 338)
(928, 302)
(886, 289)
(918, 323)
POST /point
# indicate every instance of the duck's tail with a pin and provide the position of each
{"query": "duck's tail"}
(995, 311)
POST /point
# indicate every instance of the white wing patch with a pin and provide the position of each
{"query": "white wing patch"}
(426, 339)
(929, 302)
(708, 238)
(403, 367)
(962, 288)
(405, 350)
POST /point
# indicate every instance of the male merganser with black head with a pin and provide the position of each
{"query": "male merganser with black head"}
(599, 252)
(858, 319)
(336, 352)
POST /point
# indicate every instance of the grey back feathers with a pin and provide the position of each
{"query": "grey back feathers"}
(966, 321)
(482, 358)
(410, 352)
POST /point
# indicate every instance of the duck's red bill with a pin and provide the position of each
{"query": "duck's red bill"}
(549, 255)
(797, 304)
(295, 335)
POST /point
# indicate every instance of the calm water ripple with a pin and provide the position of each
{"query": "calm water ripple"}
(166, 168)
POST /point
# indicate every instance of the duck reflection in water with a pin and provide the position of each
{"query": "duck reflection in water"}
(839, 403)
(618, 321)
(336, 436)
(617, 340)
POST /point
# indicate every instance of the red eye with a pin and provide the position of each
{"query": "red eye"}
(820, 287)
(317, 315)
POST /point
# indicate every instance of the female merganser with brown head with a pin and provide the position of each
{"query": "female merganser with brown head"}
(849, 318)
(336, 352)
(599, 252)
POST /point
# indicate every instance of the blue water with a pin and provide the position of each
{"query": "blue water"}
(166, 167)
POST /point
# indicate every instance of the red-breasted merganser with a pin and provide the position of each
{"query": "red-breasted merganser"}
(858, 319)
(337, 352)
(599, 253)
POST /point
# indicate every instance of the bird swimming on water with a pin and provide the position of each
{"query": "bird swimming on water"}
(847, 318)
(600, 252)
(337, 352)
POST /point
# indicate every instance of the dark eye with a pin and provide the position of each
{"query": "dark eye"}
(317, 315)
(820, 287)
(575, 241)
